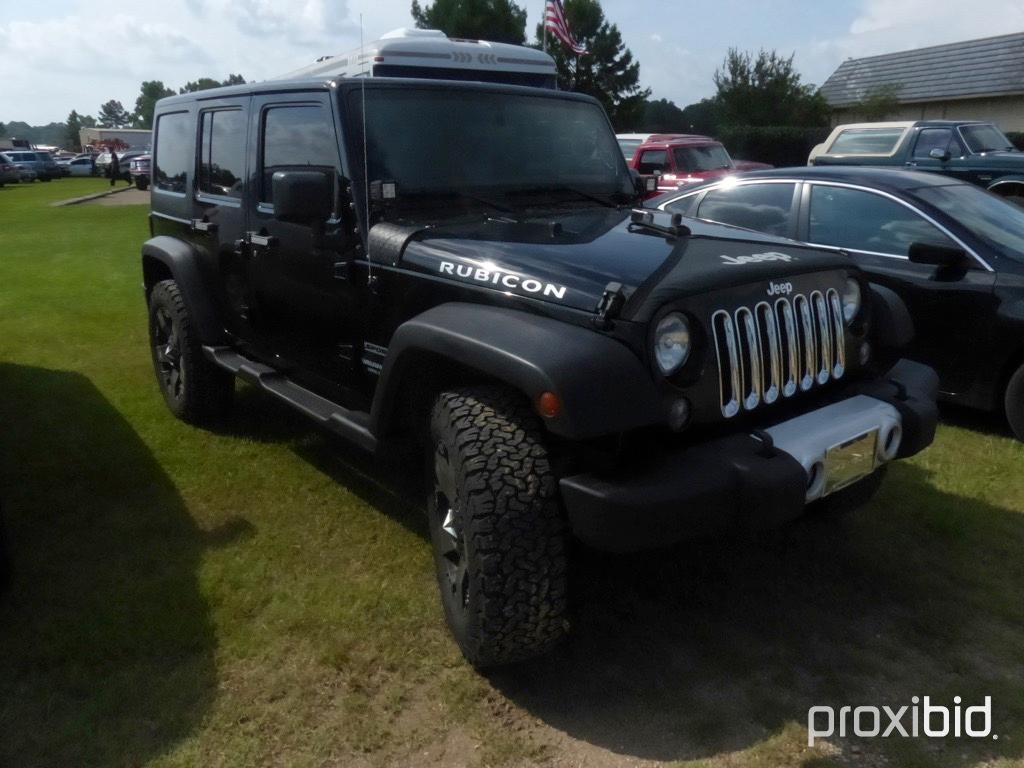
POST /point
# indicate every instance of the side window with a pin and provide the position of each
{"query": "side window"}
(864, 221)
(222, 153)
(935, 138)
(682, 205)
(762, 207)
(300, 137)
(653, 160)
(866, 141)
(173, 152)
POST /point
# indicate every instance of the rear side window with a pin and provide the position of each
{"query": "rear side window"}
(296, 138)
(653, 160)
(173, 152)
(222, 153)
(864, 221)
(761, 207)
(866, 141)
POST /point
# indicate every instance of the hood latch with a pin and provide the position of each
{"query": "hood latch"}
(608, 306)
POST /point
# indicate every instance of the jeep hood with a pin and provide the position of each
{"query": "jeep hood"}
(570, 258)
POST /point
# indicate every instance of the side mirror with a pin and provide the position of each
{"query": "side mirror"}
(937, 255)
(939, 154)
(302, 196)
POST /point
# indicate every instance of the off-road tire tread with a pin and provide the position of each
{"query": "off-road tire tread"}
(513, 522)
(208, 389)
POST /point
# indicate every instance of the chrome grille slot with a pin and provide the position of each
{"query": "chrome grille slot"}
(776, 350)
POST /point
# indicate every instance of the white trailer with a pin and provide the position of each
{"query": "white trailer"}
(429, 53)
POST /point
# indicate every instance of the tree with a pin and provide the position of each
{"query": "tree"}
(501, 21)
(113, 115)
(606, 71)
(74, 123)
(879, 102)
(766, 90)
(205, 83)
(663, 116)
(151, 92)
(3, 129)
(703, 117)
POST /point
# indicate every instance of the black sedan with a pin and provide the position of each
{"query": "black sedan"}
(954, 253)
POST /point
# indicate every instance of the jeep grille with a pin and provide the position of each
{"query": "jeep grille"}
(777, 349)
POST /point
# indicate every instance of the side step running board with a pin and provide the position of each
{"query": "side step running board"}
(352, 425)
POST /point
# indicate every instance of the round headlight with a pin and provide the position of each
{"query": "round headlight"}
(851, 299)
(671, 343)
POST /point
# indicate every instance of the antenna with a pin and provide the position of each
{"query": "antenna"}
(366, 157)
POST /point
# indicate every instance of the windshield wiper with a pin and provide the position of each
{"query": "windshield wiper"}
(565, 188)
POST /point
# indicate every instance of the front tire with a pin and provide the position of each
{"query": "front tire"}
(141, 184)
(497, 529)
(194, 389)
(1014, 403)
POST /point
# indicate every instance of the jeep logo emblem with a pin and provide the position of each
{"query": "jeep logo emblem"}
(780, 289)
(756, 258)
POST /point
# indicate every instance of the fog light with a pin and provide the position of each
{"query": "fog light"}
(549, 405)
(865, 353)
(679, 414)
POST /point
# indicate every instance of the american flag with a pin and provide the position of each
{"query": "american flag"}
(554, 19)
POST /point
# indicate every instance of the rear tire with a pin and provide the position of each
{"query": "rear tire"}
(498, 534)
(1013, 402)
(195, 389)
(141, 184)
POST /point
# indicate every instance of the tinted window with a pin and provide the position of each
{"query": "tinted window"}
(653, 160)
(296, 137)
(935, 138)
(866, 141)
(985, 138)
(222, 153)
(682, 205)
(709, 158)
(864, 221)
(988, 217)
(173, 151)
(763, 207)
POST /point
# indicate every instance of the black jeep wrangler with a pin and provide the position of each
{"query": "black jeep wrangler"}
(460, 266)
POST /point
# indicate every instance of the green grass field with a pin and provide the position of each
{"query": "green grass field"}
(264, 595)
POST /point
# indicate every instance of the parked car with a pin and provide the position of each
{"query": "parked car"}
(26, 170)
(680, 159)
(630, 142)
(9, 173)
(40, 162)
(123, 162)
(138, 167)
(83, 165)
(952, 251)
(968, 150)
(560, 363)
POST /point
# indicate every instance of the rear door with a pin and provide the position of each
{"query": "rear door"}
(218, 218)
(951, 309)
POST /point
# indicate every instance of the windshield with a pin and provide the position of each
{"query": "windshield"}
(438, 144)
(985, 138)
(712, 157)
(989, 218)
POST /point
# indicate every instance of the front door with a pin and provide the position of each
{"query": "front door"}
(307, 300)
(956, 160)
(951, 309)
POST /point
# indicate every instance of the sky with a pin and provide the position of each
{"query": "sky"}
(60, 55)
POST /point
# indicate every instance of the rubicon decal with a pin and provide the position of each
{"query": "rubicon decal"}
(756, 258)
(501, 279)
(779, 289)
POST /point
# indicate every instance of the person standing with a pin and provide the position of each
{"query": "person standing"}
(115, 167)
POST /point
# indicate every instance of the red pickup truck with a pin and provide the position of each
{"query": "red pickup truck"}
(678, 159)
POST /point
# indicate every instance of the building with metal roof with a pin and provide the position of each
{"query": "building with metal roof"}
(970, 80)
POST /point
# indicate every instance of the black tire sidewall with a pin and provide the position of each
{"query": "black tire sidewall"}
(1013, 403)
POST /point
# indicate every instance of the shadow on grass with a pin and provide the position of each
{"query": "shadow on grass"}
(107, 648)
(714, 647)
(986, 422)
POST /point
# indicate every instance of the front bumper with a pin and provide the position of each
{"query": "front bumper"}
(740, 482)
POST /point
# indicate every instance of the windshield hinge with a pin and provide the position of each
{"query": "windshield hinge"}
(608, 306)
(644, 218)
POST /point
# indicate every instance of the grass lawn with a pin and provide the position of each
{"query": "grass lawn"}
(264, 595)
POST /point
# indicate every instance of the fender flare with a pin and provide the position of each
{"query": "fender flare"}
(604, 387)
(184, 264)
(892, 327)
